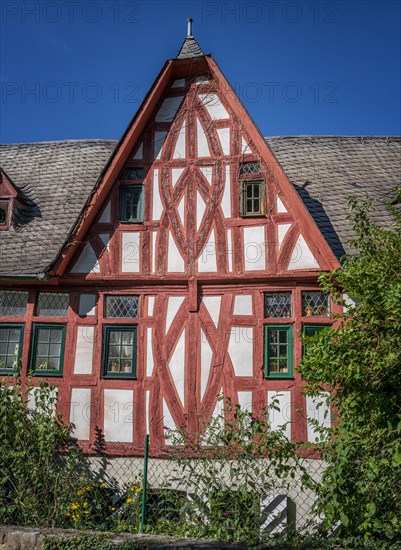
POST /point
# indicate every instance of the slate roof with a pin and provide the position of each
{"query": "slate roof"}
(190, 49)
(326, 170)
(56, 179)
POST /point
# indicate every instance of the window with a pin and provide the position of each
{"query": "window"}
(315, 304)
(52, 304)
(278, 351)
(252, 198)
(119, 352)
(118, 306)
(278, 304)
(13, 303)
(11, 337)
(247, 168)
(131, 203)
(136, 173)
(3, 212)
(48, 343)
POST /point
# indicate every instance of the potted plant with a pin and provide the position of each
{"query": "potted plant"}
(114, 367)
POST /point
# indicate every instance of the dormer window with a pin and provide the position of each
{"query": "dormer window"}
(4, 213)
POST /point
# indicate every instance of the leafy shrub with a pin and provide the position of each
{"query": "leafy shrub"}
(37, 455)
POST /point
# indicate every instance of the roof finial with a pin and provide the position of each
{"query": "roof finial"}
(189, 21)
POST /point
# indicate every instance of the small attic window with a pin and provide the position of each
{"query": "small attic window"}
(136, 173)
(4, 206)
(249, 168)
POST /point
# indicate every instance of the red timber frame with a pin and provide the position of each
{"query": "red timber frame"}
(190, 284)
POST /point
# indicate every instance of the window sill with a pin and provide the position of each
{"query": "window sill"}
(48, 374)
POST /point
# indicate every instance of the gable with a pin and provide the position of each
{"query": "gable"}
(189, 160)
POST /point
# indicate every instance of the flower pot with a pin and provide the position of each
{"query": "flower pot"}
(114, 367)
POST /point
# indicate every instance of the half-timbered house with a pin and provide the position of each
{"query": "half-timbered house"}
(147, 277)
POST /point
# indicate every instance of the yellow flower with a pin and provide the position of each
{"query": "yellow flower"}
(74, 506)
(80, 492)
(88, 488)
(129, 499)
(85, 504)
(103, 485)
(112, 508)
(139, 489)
(86, 512)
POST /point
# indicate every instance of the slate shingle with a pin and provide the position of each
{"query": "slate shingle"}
(56, 179)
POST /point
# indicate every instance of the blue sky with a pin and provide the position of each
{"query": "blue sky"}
(74, 69)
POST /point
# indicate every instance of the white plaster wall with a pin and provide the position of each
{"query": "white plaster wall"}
(80, 412)
(206, 356)
(147, 405)
(151, 303)
(175, 262)
(212, 304)
(87, 305)
(157, 205)
(214, 107)
(180, 147)
(168, 421)
(230, 250)
(106, 214)
(118, 415)
(179, 83)
(245, 400)
(243, 304)
(181, 210)
(245, 147)
(176, 173)
(240, 349)
(224, 137)
(177, 366)
(279, 418)
(282, 230)
(168, 109)
(173, 305)
(226, 199)
(153, 236)
(139, 153)
(105, 238)
(130, 252)
(317, 409)
(254, 248)
(149, 352)
(202, 144)
(200, 209)
(160, 138)
(87, 261)
(207, 171)
(302, 257)
(31, 404)
(280, 206)
(84, 350)
(207, 260)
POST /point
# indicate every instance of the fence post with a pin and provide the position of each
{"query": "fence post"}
(144, 484)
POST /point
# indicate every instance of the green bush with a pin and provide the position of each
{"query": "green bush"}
(37, 455)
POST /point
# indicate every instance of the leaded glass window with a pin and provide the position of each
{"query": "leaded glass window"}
(136, 173)
(278, 351)
(119, 360)
(52, 304)
(278, 304)
(249, 168)
(131, 203)
(13, 303)
(48, 349)
(10, 347)
(119, 306)
(315, 304)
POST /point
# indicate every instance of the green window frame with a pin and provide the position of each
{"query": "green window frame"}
(310, 330)
(6, 352)
(115, 338)
(48, 346)
(131, 203)
(279, 339)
